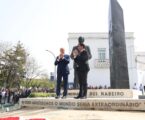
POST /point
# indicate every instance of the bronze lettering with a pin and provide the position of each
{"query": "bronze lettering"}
(112, 93)
(102, 93)
(110, 104)
(67, 103)
(83, 104)
(56, 103)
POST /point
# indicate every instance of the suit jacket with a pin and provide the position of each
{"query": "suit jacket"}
(62, 65)
(82, 62)
(87, 48)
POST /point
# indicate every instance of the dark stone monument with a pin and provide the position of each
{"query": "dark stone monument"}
(117, 47)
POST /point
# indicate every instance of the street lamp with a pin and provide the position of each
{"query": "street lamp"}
(54, 60)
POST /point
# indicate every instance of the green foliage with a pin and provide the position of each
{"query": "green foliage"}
(33, 71)
(41, 94)
(13, 68)
(39, 83)
(17, 69)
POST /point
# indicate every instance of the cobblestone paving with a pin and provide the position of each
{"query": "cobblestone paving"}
(59, 114)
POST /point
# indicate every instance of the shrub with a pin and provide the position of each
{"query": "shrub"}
(41, 94)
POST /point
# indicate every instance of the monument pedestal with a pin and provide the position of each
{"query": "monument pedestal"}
(85, 104)
(112, 102)
(108, 93)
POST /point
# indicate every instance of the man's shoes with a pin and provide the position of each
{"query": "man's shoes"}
(57, 97)
(77, 97)
(63, 97)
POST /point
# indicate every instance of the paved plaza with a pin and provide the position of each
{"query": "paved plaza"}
(62, 114)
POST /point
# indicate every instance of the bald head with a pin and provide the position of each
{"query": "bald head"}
(62, 50)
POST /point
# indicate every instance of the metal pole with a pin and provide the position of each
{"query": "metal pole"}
(54, 60)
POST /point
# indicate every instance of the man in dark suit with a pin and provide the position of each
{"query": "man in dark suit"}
(62, 62)
(81, 59)
(87, 48)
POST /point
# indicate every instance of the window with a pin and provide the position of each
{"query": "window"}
(102, 54)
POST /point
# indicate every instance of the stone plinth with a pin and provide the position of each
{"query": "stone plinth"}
(108, 93)
(89, 103)
(100, 99)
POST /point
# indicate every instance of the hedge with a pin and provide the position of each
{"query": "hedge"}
(41, 94)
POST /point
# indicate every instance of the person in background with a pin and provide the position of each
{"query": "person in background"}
(75, 48)
(62, 61)
(135, 86)
(81, 59)
(141, 88)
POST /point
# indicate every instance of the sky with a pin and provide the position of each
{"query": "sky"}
(44, 24)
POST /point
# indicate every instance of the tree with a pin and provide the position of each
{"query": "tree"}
(42, 83)
(12, 71)
(16, 67)
(4, 45)
(32, 71)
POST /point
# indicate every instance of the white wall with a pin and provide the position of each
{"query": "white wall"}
(97, 76)
(140, 57)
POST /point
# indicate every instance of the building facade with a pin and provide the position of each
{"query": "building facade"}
(140, 62)
(99, 74)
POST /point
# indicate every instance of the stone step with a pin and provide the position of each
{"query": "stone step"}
(86, 104)
(108, 93)
(9, 107)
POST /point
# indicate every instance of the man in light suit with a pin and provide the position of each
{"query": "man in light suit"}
(62, 62)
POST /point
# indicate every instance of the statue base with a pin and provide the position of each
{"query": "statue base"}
(105, 103)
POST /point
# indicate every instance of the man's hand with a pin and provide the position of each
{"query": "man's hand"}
(61, 56)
